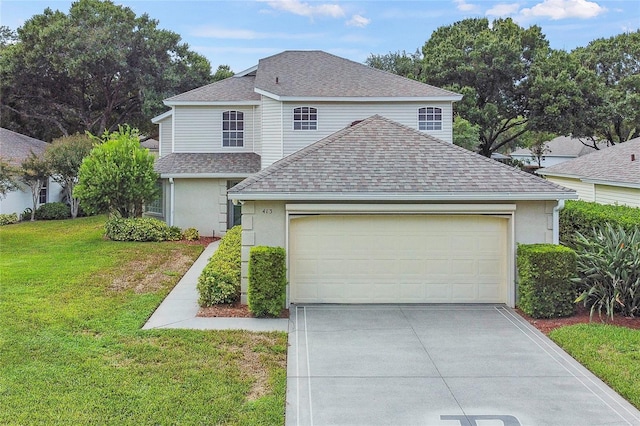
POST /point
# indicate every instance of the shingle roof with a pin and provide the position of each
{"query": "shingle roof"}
(232, 89)
(380, 157)
(312, 74)
(15, 147)
(208, 163)
(562, 146)
(320, 74)
(150, 144)
(611, 164)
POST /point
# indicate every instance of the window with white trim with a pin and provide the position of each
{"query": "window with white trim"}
(232, 128)
(42, 196)
(429, 118)
(305, 118)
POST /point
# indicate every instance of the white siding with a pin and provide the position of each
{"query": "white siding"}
(272, 130)
(257, 128)
(335, 116)
(585, 190)
(199, 129)
(606, 194)
(166, 136)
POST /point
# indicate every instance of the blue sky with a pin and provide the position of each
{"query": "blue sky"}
(238, 33)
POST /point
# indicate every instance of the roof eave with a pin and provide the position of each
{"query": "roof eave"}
(206, 175)
(255, 102)
(416, 196)
(449, 98)
(159, 118)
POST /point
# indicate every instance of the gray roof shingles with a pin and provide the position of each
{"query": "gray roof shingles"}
(312, 74)
(208, 163)
(611, 164)
(562, 146)
(380, 156)
(15, 147)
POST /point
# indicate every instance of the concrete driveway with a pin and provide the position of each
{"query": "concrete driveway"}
(437, 365)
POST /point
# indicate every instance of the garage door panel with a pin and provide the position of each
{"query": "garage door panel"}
(405, 259)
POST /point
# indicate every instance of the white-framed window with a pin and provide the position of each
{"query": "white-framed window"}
(305, 118)
(429, 118)
(232, 128)
(42, 196)
(155, 207)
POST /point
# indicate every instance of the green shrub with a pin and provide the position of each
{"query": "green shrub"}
(8, 219)
(26, 214)
(545, 273)
(267, 280)
(609, 269)
(219, 282)
(140, 229)
(53, 211)
(582, 217)
(191, 234)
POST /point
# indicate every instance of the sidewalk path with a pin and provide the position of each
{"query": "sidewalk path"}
(180, 307)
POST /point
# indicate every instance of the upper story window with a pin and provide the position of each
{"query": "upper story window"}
(430, 118)
(232, 128)
(305, 118)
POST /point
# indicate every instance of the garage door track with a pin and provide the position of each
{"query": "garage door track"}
(437, 365)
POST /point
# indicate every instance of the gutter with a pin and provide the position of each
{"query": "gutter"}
(556, 221)
(172, 199)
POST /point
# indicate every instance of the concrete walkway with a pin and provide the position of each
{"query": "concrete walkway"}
(180, 307)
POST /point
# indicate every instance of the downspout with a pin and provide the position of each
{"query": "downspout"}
(172, 199)
(556, 221)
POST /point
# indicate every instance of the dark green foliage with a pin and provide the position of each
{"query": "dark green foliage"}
(583, 217)
(8, 219)
(267, 280)
(609, 268)
(545, 273)
(220, 279)
(53, 211)
(191, 234)
(140, 229)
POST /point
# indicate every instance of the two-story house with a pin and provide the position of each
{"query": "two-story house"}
(353, 171)
(215, 136)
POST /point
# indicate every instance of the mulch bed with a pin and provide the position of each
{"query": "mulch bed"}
(581, 317)
(235, 310)
(203, 241)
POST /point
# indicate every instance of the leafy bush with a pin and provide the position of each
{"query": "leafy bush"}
(545, 273)
(219, 282)
(8, 219)
(609, 268)
(140, 229)
(26, 214)
(267, 280)
(582, 217)
(191, 234)
(53, 211)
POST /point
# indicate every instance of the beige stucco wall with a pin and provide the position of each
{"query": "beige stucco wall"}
(264, 223)
(200, 204)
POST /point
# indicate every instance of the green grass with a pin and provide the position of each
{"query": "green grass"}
(71, 348)
(611, 353)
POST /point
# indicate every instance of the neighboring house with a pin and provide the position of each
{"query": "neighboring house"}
(217, 135)
(380, 212)
(14, 148)
(558, 150)
(152, 145)
(608, 176)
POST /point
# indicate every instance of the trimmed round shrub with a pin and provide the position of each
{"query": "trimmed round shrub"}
(8, 219)
(140, 229)
(191, 234)
(53, 211)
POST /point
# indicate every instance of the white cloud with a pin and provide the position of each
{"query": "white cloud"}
(239, 34)
(503, 9)
(305, 9)
(463, 6)
(358, 21)
(562, 9)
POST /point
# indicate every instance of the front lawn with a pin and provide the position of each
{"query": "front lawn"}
(71, 348)
(610, 352)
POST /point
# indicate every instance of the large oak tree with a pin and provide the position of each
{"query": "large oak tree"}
(92, 69)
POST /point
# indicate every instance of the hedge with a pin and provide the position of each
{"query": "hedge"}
(545, 273)
(140, 229)
(219, 281)
(53, 211)
(267, 280)
(583, 217)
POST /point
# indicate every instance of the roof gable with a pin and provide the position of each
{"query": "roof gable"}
(379, 158)
(15, 147)
(562, 146)
(613, 164)
(232, 89)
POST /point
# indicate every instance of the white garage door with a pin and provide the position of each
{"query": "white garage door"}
(398, 259)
